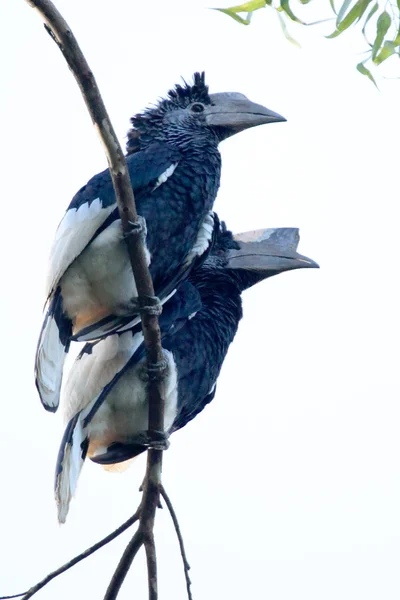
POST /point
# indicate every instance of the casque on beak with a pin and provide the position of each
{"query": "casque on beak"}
(269, 252)
(230, 113)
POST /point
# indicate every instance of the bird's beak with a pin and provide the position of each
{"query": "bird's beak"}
(268, 252)
(230, 113)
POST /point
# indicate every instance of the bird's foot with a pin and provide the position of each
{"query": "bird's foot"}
(149, 305)
(156, 371)
(157, 440)
(138, 227)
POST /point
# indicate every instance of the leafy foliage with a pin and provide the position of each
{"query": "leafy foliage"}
(380, 18)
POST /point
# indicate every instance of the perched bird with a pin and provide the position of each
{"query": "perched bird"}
(174, 166)
(105, 395)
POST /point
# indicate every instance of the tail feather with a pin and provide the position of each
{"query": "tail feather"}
(53, 346)
(119, 452)
(70, 460)
(105, 327)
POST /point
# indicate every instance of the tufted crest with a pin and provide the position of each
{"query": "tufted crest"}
(182, 95)
(179, 97)
(224, 240)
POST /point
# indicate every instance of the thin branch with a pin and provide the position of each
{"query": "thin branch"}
(151, 558)
(186, 566)
(124, 565)
(151, 500)
(65, 40)
(77, 559)
(144, 534)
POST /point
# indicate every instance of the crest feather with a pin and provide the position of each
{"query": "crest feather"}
(178, 97)
(224, 240)
(190, 92)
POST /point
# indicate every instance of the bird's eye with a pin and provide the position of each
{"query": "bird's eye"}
(197, 107)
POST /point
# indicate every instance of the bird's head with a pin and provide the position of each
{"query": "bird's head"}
(245, 259)
(189, 109)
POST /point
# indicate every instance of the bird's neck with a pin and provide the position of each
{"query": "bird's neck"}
(221, 310)
(194, 141)
(189, 138)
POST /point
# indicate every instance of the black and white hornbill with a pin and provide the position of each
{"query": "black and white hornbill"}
(174, 166)
(105, 398)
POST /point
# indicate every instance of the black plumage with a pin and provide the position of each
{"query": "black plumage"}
(106, 392)
(174, 165)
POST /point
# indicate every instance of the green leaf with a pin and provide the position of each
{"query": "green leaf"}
(285, 31)
(342, 11)
(361, 68)
(370, 14)
(333, 35)
(230, 13)
(246, 7)
(286, 8)
(396, 40)
(352, 16)
(332, 3)
(382, 25)
(388, 50)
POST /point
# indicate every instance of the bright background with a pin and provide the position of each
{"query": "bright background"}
(288, 485)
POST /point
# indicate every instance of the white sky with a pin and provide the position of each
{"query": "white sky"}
(288, 485)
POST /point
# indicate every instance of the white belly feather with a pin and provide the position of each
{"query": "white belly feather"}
(100, 279)
(124, 413)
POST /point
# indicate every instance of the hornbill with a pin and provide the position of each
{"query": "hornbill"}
(174, 165)
(105, 395)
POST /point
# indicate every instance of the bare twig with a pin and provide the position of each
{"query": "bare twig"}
(152, 495)
(144, 535)
(29, 593)
(186, 566)
(124, 564)
(151, 558)
(64, 38)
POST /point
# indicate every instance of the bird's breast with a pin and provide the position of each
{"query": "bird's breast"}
(124, 412)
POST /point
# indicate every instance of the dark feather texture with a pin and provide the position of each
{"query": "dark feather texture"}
(180, 97)
(107, 386)
(174, 166)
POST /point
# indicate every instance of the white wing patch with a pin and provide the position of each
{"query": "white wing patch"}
(49, 363)
(73, 234)
(203, 238)
(124, 413)
(164, 176)
(91, 373)
(87, 378)
(171, 392)
(71, 466)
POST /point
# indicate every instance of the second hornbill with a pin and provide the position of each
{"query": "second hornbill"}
(105, 394)
(174, 166)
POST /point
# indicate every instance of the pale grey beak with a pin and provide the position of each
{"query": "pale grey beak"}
(230, 113)
(269, 252)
